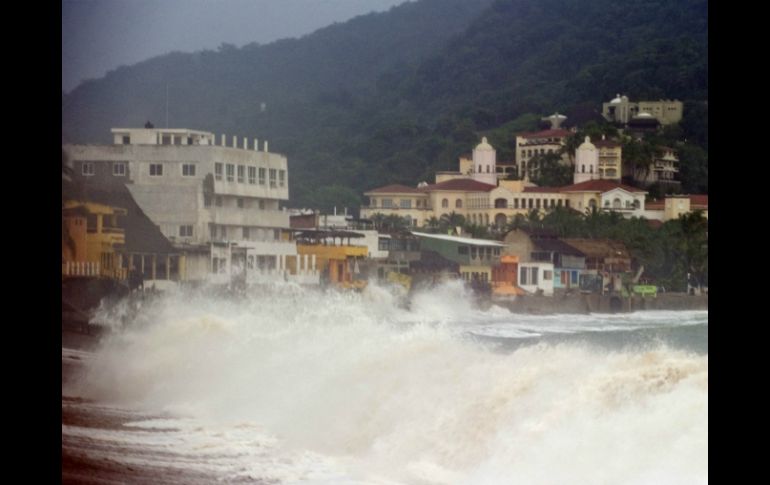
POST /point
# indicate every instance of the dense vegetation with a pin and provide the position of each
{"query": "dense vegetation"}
(393, 97)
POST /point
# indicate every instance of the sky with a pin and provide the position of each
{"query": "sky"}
(101, 35)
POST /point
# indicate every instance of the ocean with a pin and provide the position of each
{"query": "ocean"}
(287, 385)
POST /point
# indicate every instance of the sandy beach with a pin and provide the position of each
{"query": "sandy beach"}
(89, 453)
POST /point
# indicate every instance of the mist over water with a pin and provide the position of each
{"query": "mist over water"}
(363, 389)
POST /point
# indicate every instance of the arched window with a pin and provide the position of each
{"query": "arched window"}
(501, 203)
(616, 203)
(607, 204)
(458, 204)
(592, 203)
(445, 203)
(591, 168)
(500, 220)
(584, 168)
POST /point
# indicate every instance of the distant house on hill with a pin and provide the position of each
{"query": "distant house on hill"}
(621, 110)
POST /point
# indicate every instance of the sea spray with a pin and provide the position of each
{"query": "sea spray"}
(407, 395)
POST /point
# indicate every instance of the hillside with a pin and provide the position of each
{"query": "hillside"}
(392, 97)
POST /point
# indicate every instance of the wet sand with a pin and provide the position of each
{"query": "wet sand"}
(91, 455)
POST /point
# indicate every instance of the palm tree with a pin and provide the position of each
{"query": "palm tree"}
(433, 224)
(452, 220)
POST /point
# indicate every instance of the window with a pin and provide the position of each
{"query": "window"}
(383, 244)
(445, 203)
(188, 170)
(126, 140)
(272, 177)
(230, 171)
(262, 176)
(387, 203)
(406, 203)
(88, 169)
(119, 169)
(459, 204)
(185, 231)
(156, 169)
(534, 275)
(523, 277)
(177, 140)
(218, 201)
(515, 203)
(239, 200)
(282, 178)
(218, 171)
(166, 140)
(253, 175)
(547, 275)
(574, 277)
(241, 173)
(246, 233)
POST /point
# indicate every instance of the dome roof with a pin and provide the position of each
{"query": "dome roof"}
(587, 145)
(484, 145)
(643, 115)
(616, 100)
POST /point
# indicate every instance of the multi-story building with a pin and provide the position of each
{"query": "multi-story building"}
(531, 145)
(621, 110)
(218, 203)
(664, 169)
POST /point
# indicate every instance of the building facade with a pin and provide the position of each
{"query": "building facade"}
(622, 110)
(206, 198)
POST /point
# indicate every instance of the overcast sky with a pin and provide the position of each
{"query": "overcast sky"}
(101, 35)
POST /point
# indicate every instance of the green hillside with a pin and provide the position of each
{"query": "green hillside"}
(393, 97)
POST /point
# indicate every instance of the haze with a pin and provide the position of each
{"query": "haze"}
(101, 35)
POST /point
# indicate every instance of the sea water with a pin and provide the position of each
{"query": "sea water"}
(290, 385)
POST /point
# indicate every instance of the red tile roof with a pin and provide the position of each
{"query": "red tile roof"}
(598, 186)
(395, 189)
(460, 184)
(547, 134)
(699, 200)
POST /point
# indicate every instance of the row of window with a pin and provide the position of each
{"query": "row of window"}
(531, 153)
(230, 171)
(234, 232)
(478, 252)
(240, 202)
(402, 203)
(119, 169)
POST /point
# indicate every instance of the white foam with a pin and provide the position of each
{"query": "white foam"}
(359, 388)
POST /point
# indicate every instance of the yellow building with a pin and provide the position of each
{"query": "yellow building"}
(91, 238)
(338, 263)
(610, 159)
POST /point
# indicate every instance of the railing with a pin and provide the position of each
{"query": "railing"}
(92, 269)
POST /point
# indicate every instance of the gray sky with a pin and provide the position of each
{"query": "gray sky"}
(101, 35)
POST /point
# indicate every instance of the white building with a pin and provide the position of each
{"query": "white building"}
(217, 202)
(586, 162)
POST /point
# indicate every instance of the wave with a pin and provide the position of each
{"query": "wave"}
(403, 394)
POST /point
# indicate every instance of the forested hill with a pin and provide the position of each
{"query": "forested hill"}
(223, 90)
(538, 56)
(392, 97)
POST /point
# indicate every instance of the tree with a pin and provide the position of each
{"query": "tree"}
(451, 221)
(550, 171)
